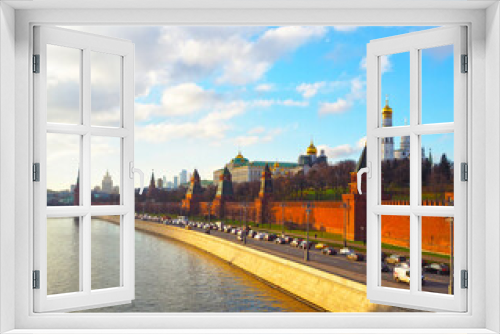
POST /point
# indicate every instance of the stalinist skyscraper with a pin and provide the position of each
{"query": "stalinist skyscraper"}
(388, 142)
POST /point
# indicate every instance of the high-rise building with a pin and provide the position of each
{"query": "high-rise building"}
(183, 177)
(159, 184)
(107, 183)
(165, 185)
(176, 180)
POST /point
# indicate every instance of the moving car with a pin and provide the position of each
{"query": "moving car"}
(328, 251)
(385, 267)
(355, 256)
(320, 246)
(305, 244)
(394, 259)
(279, 241)
(295, 242)
(437, 268)
(270, 237)
(259, 236)
(402, 274)
(345, 251)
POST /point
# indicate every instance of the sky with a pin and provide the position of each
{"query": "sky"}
(204, 93)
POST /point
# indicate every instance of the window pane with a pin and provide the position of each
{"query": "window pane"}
(63, 84)
(395, 169)
(395, 89)
(63, 165)
(437, 254)
(105, 89)
(437, 169)
(105, 170)
(395, 236)
(437, 84)
(105, 252)
(63, 255)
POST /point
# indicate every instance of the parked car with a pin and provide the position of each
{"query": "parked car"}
(353, 256)
(279, 241)
(437, 268)
(320, 246)
(270, 237)
(295, 242)
(328, 251)
(345, 251)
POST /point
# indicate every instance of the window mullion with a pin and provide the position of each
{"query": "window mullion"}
(86, 249)
(414, 171)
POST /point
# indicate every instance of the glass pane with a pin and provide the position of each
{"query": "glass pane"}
(395, 170)
(62, 172)
(395, 89)
(437, 169)
(105, 89)
(437, 254)
(63, 84)
(105, 252)
(395, 236)
(63, 255)
(105, 170)
(437, 84)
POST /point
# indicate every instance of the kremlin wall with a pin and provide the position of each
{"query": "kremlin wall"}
(326, 216)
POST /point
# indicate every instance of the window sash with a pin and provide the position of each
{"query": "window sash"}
(86, 297)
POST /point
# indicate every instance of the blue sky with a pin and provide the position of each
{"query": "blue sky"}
(203, 93)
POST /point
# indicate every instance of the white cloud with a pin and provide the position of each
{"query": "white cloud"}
(385, 63)
(344, 151)
(308, 90)
(339, 106)
(263, 88)
(343, 104)
(345, 28)
(272, 102)
(213, 126)
(256, 130)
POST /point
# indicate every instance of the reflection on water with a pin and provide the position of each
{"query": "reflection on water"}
(174, 277)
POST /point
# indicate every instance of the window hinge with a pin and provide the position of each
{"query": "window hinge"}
(36, 63)
(36, 172)
(464, 171)
(465, 279)
(465, 64)
(36, 279)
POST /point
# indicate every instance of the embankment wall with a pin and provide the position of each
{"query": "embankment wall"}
(328, 291)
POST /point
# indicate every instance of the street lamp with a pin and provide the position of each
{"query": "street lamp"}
(309, 208)
(451, 285)
(346, 207)
(209, 211)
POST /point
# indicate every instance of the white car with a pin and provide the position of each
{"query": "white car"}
(345, 251)
(259, 236)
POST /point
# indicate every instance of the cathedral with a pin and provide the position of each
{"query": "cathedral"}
(388, 152)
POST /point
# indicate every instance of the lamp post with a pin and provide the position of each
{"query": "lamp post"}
(209, 211)
(309, 207)
(282, 218)
(451, 285)
(244, 232)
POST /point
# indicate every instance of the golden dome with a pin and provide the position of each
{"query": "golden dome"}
(387, 111)
(276, 164)
(240, 156)
(312, 149)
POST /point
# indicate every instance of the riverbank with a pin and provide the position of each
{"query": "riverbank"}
(325, 290)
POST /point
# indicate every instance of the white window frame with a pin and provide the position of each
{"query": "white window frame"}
(86, 297)
(413, 43)
(484, 49)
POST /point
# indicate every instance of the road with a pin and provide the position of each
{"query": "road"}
(336, 264)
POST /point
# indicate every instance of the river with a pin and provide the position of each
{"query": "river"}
(170, 276)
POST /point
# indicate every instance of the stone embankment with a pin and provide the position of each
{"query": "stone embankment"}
(324, 290)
